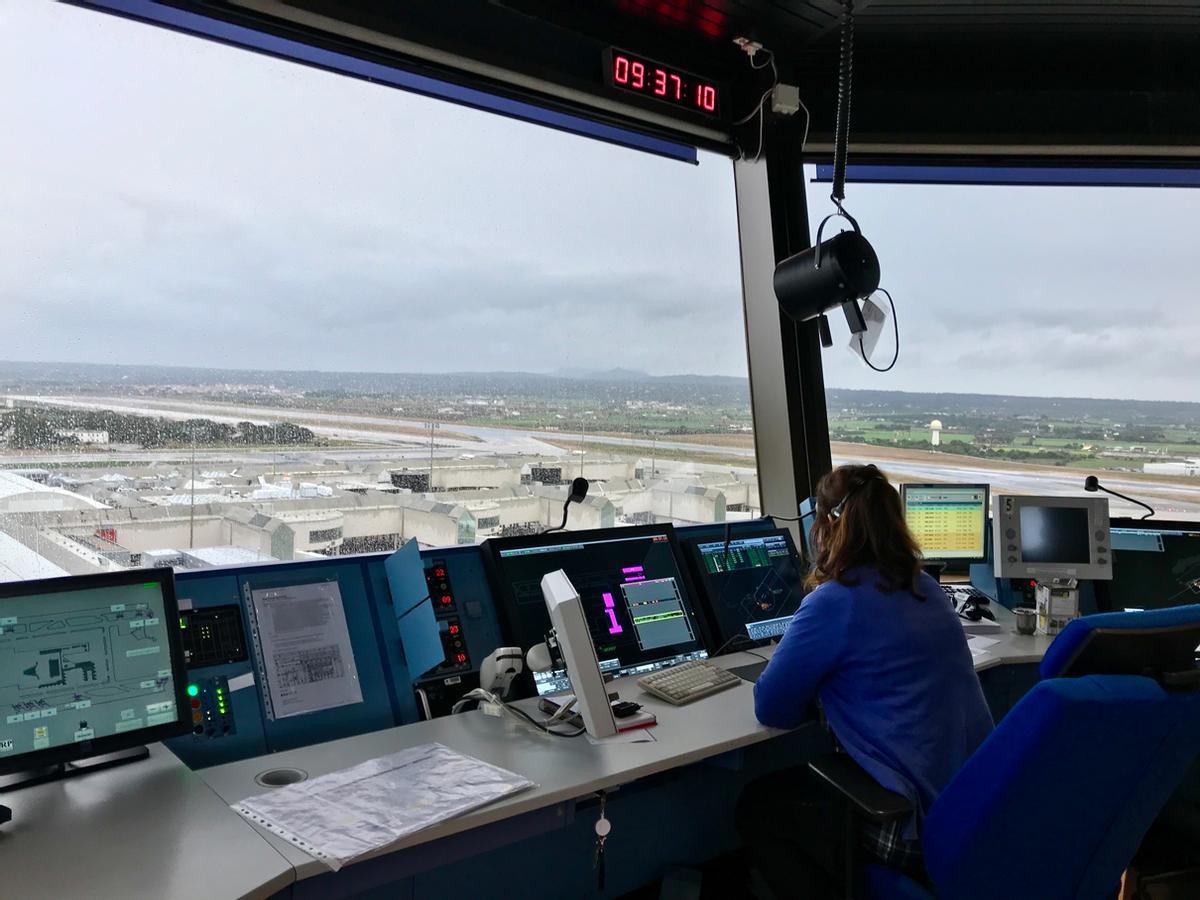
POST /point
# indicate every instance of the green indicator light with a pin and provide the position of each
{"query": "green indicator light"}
(193, 690)
(182, 622)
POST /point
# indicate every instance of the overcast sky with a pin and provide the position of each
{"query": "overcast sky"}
(1042, 291)
(168, 200)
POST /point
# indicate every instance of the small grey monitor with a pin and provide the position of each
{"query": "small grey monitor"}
(1042, 538)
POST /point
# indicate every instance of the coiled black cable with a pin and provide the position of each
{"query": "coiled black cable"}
(841, 134)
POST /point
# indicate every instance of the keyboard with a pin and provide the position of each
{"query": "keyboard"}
(964, 592)
(767, 628)
(688, 681)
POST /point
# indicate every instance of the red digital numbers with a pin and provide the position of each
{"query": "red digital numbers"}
(628, 72)
(647, 77)
(660, 83)
(620, 69)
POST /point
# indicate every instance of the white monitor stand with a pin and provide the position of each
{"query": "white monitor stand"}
(583, 668)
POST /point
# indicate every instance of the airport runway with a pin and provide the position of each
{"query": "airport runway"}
(1169, 498)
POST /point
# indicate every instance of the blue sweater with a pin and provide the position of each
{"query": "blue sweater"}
(895, 678)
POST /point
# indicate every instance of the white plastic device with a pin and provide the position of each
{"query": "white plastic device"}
(497, 672)
(583, 667)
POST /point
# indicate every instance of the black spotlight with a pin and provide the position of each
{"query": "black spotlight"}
(837, 272)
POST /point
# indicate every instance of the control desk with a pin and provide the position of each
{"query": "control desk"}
(334, 665)
(292, 654)
(303, 664)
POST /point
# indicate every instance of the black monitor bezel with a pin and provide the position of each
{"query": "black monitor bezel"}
(53, 756)
(987, 515)
(1103, 589)
(505, 602)
(691, 546)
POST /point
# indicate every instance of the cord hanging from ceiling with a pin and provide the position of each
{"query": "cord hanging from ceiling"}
(843, 270)
(841, 132)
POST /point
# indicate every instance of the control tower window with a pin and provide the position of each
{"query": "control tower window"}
(244, 298)
(1041, 327)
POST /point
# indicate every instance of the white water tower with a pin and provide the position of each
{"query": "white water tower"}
(935, 432)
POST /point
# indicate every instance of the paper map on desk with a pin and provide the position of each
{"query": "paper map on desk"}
(343, 815)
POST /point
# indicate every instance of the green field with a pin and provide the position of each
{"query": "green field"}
(1025, 439)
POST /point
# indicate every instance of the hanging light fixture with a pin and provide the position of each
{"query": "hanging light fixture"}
(844, 269)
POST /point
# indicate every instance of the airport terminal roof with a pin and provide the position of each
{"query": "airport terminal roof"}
(32, 495)
(227, 556)
(18, 562)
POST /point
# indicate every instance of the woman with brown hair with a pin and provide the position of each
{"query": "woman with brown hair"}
(881, 645)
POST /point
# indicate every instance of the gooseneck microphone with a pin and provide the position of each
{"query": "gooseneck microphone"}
(579, 489)
(1092, 483)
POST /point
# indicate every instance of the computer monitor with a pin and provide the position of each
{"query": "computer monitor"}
(1042, 538)
(1156, 565)
(89, 665)
(949, 521)
(637, 598)
(753, 590)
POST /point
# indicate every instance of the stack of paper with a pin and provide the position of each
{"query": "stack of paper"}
(343, 815)
(980, 645)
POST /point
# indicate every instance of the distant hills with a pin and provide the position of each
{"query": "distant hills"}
(14, 375)
(569, 382)
(635, 375)
(1005, 406)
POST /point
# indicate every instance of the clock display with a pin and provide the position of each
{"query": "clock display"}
(648, 78)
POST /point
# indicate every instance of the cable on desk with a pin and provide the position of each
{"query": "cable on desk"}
(482, 696)
(736, 638)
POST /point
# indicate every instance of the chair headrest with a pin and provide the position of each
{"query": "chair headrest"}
(1160, 643)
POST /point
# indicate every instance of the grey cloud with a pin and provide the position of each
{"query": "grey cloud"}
(169, 201)
(238, 210)
(1033, 290)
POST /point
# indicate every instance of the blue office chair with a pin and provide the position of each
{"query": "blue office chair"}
(1052, 805)
(1159, 643)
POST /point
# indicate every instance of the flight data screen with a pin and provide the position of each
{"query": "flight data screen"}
(758, 581)
(634, 597)
(949, 521)
(1154, 569)
(83, 665)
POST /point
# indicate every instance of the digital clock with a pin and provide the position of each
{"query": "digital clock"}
(648, 78)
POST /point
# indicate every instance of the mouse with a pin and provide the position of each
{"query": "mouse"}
(975, 611)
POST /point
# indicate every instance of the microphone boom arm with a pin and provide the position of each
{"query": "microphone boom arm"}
(1146, 506)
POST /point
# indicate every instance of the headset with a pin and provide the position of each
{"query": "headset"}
(869, 474)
